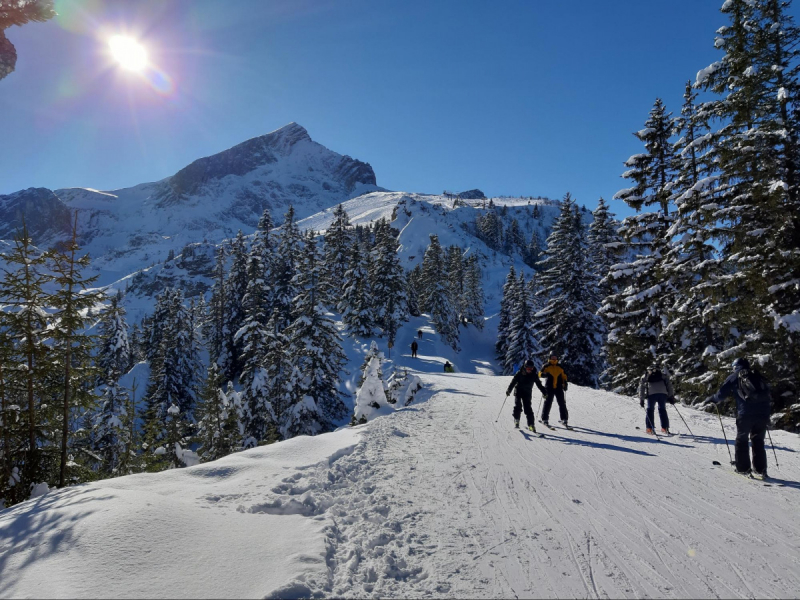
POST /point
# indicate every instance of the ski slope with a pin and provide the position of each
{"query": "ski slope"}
(435, 500)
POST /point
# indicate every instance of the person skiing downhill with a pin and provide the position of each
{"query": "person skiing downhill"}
(753, 403)
(656, 388)
(414, 347)
(419, 334)
(524, 381)
(556, 384)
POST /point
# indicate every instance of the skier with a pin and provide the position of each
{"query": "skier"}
(414, 347)
(656, 388)
(448, 368)
(753, 403)
(556, 384)
(419, 333)
(524, 380)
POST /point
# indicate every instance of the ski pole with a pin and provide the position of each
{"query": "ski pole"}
(540, 405)
(501, 410)
(682, 419)
(725, 435)
(773, 449)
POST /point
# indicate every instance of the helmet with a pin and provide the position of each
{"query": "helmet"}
(741, 363)
(529, 364)
(554, 357)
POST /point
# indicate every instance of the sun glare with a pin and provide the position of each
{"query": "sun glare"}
(129, 53)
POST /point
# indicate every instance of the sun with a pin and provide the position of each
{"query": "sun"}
(129, 53)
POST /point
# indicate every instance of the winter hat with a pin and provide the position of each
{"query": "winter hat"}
(741, 363)
(529, 363)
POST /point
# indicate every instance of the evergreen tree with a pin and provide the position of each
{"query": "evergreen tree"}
(115, 348)
(507, 306)
(522, 340)
(568, 324)
(215, 323)
(26, 321)
(235, 290)
(635, 315)
(533, 250)
(356, 304)
(218, 428)
(285, 269)
(387, 282)
(437, 299)
(315, 353)
(454, 262)
(413, 282)
(473, 293)
(338, 243)
(71, 301)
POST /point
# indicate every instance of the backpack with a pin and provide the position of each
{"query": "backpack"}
(655, 376)
(753, 387)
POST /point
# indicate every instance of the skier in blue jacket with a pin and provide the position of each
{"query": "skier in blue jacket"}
(753, 403)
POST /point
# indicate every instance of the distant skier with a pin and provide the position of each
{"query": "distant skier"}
(448, 368)
(556, 384)
(419, 333)
(524, 381)
(753, 403)
(414, 347)
(656, 388)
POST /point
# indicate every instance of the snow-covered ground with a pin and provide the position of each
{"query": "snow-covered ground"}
(436, 500)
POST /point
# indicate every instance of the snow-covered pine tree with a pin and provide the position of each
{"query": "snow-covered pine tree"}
(356, 304)
(371, 395)
(634, 316)
(217, 428)
(692, 331)
(522, 339)
(215, 322)
(757, 84)
(284, 267)
(338, 242)
(454, 261)
(174, 372)
(110, 439)
(413, 280)
(533, 250)
(234, 316)
(437, 299)
(315, 353)
(473, 293)
(259, 415)
(507, 305)
(26, 322)
(114, 351)
(568, 324)
(387, 281)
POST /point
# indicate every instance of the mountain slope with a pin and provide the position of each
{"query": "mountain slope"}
(434, 500)
(210, 199)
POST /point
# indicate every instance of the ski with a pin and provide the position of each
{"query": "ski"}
(550, 427)
(749, 476)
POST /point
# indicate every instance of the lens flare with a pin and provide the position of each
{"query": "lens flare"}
(129, 53)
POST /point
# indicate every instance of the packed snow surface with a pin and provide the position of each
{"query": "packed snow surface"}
(434, 500)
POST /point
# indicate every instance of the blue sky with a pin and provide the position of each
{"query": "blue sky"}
(516, 98)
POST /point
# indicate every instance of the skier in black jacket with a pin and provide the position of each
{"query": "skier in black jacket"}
(524, 380)
(753, 403)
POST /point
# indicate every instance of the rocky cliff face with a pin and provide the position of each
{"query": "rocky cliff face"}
(206, 201)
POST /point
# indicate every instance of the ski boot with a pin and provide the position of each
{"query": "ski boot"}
(650, 431)
(516, 423)
(532, 428)
(566, 426)
(665, 431)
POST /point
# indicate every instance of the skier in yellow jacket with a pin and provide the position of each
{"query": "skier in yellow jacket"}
(555, 382)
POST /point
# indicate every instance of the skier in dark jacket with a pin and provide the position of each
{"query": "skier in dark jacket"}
(414, 347)
(656, 388)
(524, 381)
(753, 403)
(448, 368)
(556, 384)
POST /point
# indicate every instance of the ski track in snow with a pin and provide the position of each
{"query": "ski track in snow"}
(439, 500)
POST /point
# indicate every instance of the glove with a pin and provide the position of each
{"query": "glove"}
(671, 400)
(565, 386)
(641, 403)
(508, 393)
